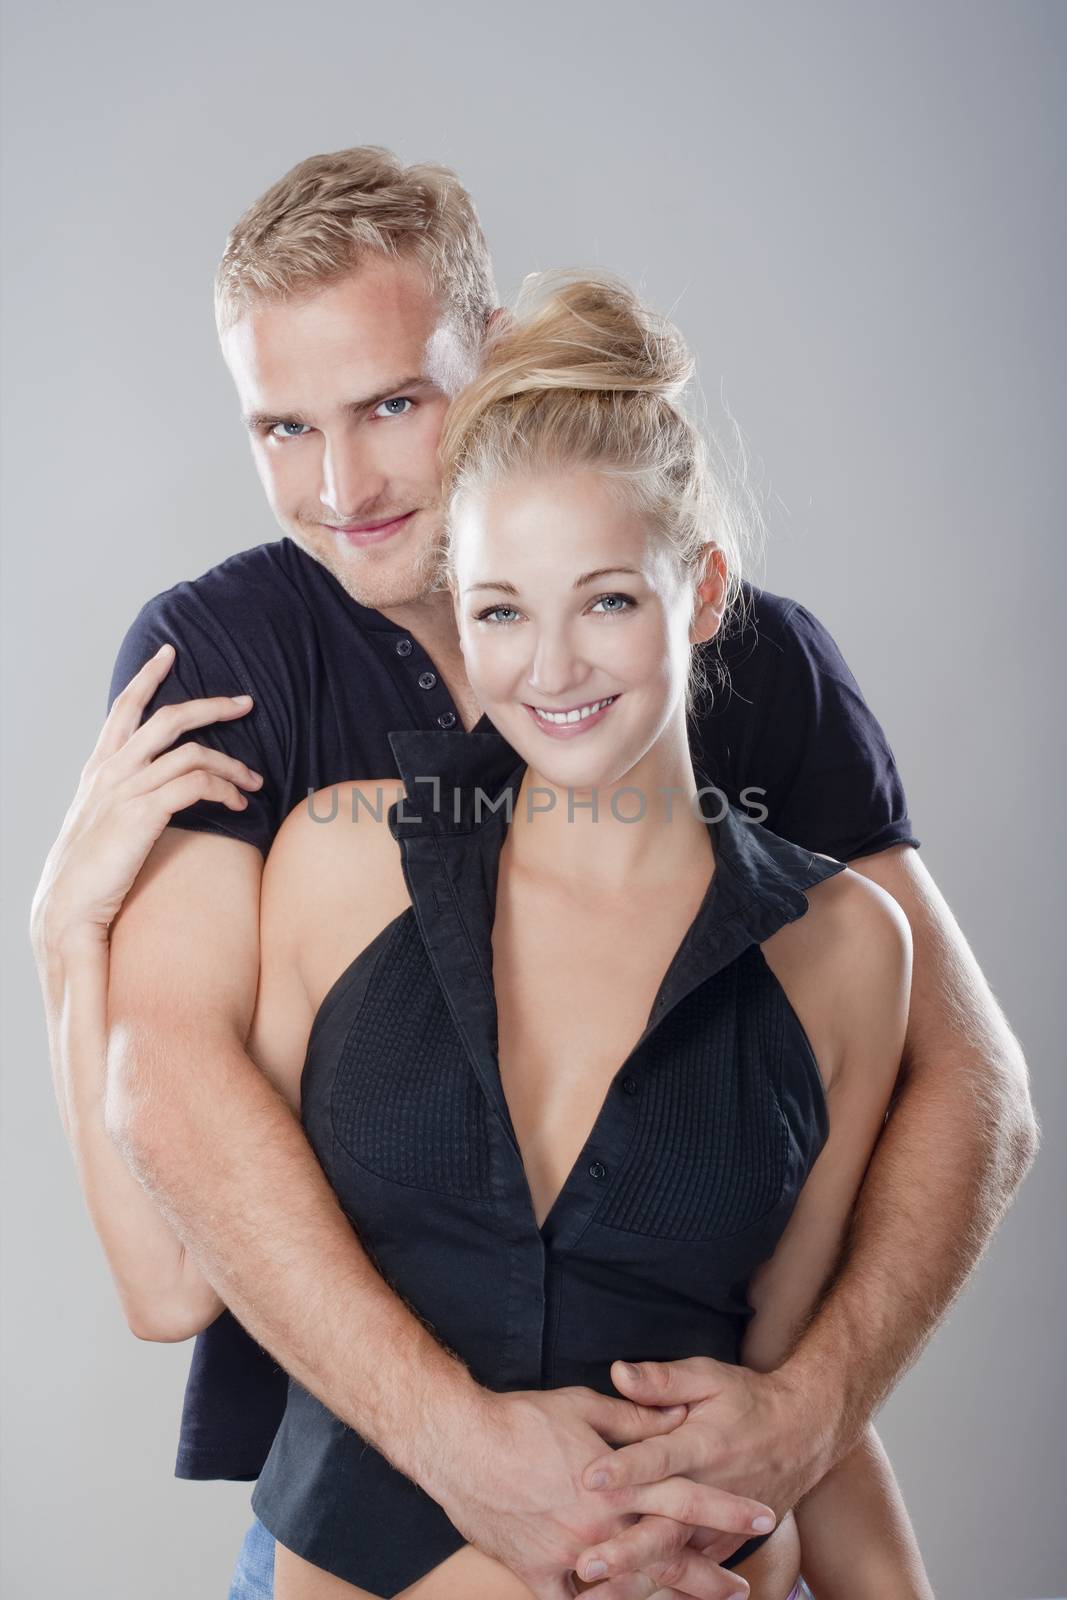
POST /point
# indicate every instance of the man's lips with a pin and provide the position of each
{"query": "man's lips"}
(370, 532)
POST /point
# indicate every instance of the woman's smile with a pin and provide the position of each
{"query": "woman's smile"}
(572, 720)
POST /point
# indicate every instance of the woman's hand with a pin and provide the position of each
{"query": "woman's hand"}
(524, 1502)
(128, 792)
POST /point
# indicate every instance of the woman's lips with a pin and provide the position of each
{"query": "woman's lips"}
(570, 730)
(361, 535)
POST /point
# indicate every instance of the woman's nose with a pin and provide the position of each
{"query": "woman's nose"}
(554, 667)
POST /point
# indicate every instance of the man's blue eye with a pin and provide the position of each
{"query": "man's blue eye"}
(398, 400)
(302, 428)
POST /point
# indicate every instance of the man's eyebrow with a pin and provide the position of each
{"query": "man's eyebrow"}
(579, 583)
(254, 420)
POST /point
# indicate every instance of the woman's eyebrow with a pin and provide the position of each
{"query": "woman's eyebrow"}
(579, 583)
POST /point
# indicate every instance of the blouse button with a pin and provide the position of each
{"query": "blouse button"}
(427, 680)
(446, 719)
(630, 1085)
(598, 1170)
(403, 647)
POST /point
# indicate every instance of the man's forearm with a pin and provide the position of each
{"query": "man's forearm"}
(254, 1207)
(941, 1176)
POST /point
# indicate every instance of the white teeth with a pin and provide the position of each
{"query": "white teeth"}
(579, 714)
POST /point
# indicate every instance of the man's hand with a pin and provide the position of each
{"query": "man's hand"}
(736, 1417)
(526, 1503)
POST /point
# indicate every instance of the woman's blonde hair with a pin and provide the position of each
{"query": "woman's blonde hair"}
(327, 214)
(585, 374)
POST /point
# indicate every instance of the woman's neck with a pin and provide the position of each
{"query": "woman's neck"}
(642, 832)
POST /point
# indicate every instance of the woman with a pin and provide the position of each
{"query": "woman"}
(650, 945)
(591, 1073)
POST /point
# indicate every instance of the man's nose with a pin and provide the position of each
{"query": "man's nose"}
(351, 484)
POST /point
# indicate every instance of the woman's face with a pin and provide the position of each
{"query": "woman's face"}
(574, 618)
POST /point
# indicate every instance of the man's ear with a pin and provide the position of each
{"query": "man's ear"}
(710, 600)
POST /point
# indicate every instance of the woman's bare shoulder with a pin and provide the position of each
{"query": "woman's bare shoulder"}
(845, 966)
(334, 878)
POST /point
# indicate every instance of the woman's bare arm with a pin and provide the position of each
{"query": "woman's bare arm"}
(856, 1539)
(129, 789)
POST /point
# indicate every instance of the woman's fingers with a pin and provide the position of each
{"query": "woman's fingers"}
(656, 1563)
(189, 758)
(128, 705)
(126, 743)
(170, 722)
(194, 786)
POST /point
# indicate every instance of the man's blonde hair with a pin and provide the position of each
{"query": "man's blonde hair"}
(330, 212)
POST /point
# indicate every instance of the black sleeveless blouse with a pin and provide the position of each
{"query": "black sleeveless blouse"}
(701, 1146)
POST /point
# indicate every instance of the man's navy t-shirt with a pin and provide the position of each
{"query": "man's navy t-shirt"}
(788, 731)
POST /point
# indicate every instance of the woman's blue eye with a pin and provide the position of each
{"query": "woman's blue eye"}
(493, 611)
(302, 426)
(398, 400)
(624, 603)
(627, 604)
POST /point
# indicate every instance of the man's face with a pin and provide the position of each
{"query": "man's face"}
(344, 391)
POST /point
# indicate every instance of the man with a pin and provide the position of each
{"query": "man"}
(351, 302)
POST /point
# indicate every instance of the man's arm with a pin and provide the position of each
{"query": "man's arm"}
(128, 791)
(228, 1163)
(959, 1139)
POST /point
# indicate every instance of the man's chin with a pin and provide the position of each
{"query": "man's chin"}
(380, 585)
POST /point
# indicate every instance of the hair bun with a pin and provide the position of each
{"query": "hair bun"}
(585, 329)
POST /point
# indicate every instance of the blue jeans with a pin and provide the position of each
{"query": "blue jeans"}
(253, 1576)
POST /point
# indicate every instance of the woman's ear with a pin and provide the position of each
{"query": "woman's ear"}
(710, 598)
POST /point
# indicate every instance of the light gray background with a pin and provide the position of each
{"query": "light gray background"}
(856, 212)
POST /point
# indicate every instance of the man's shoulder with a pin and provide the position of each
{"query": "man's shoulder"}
(256, 584)
(763, 619)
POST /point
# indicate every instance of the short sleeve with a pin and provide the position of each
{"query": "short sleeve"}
(819, 751)
(207, 662)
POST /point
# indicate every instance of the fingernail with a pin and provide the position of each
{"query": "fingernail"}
(599, 1480)
(763, 1524)
(629, 1369)
(595, 1569)
(163, 649)
(241, 699)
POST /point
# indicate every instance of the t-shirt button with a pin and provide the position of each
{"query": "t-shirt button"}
(403, 647)
(598, 1170)
(630, 1085)
(446, 719)
(427, 680)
